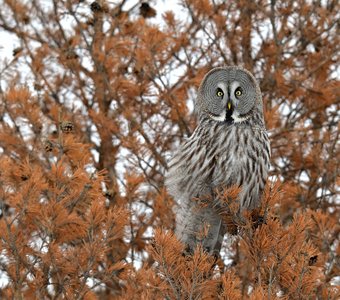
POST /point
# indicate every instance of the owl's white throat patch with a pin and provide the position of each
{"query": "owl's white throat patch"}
(222, 117)
(236, 117)
(219, 118)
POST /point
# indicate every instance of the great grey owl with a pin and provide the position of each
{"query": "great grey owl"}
(230, 146)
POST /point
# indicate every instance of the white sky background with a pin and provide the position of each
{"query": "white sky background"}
(8, 42)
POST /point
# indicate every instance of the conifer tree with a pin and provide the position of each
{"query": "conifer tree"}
(96, 97)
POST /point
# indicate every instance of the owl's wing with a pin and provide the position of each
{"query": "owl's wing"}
(195, 223)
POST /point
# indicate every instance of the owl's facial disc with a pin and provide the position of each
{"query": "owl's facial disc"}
(228, 94)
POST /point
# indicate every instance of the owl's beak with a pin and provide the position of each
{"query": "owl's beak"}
(229, 105)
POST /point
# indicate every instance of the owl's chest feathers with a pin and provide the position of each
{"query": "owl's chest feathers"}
(220, 155)
(215, 156)
(222, 148)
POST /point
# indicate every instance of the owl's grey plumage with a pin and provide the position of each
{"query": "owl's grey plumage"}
(229, 147)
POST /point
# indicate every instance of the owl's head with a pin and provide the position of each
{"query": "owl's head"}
(229, 94)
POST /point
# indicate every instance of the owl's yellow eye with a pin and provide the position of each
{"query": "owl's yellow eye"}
(238, 92)
(219, 93)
